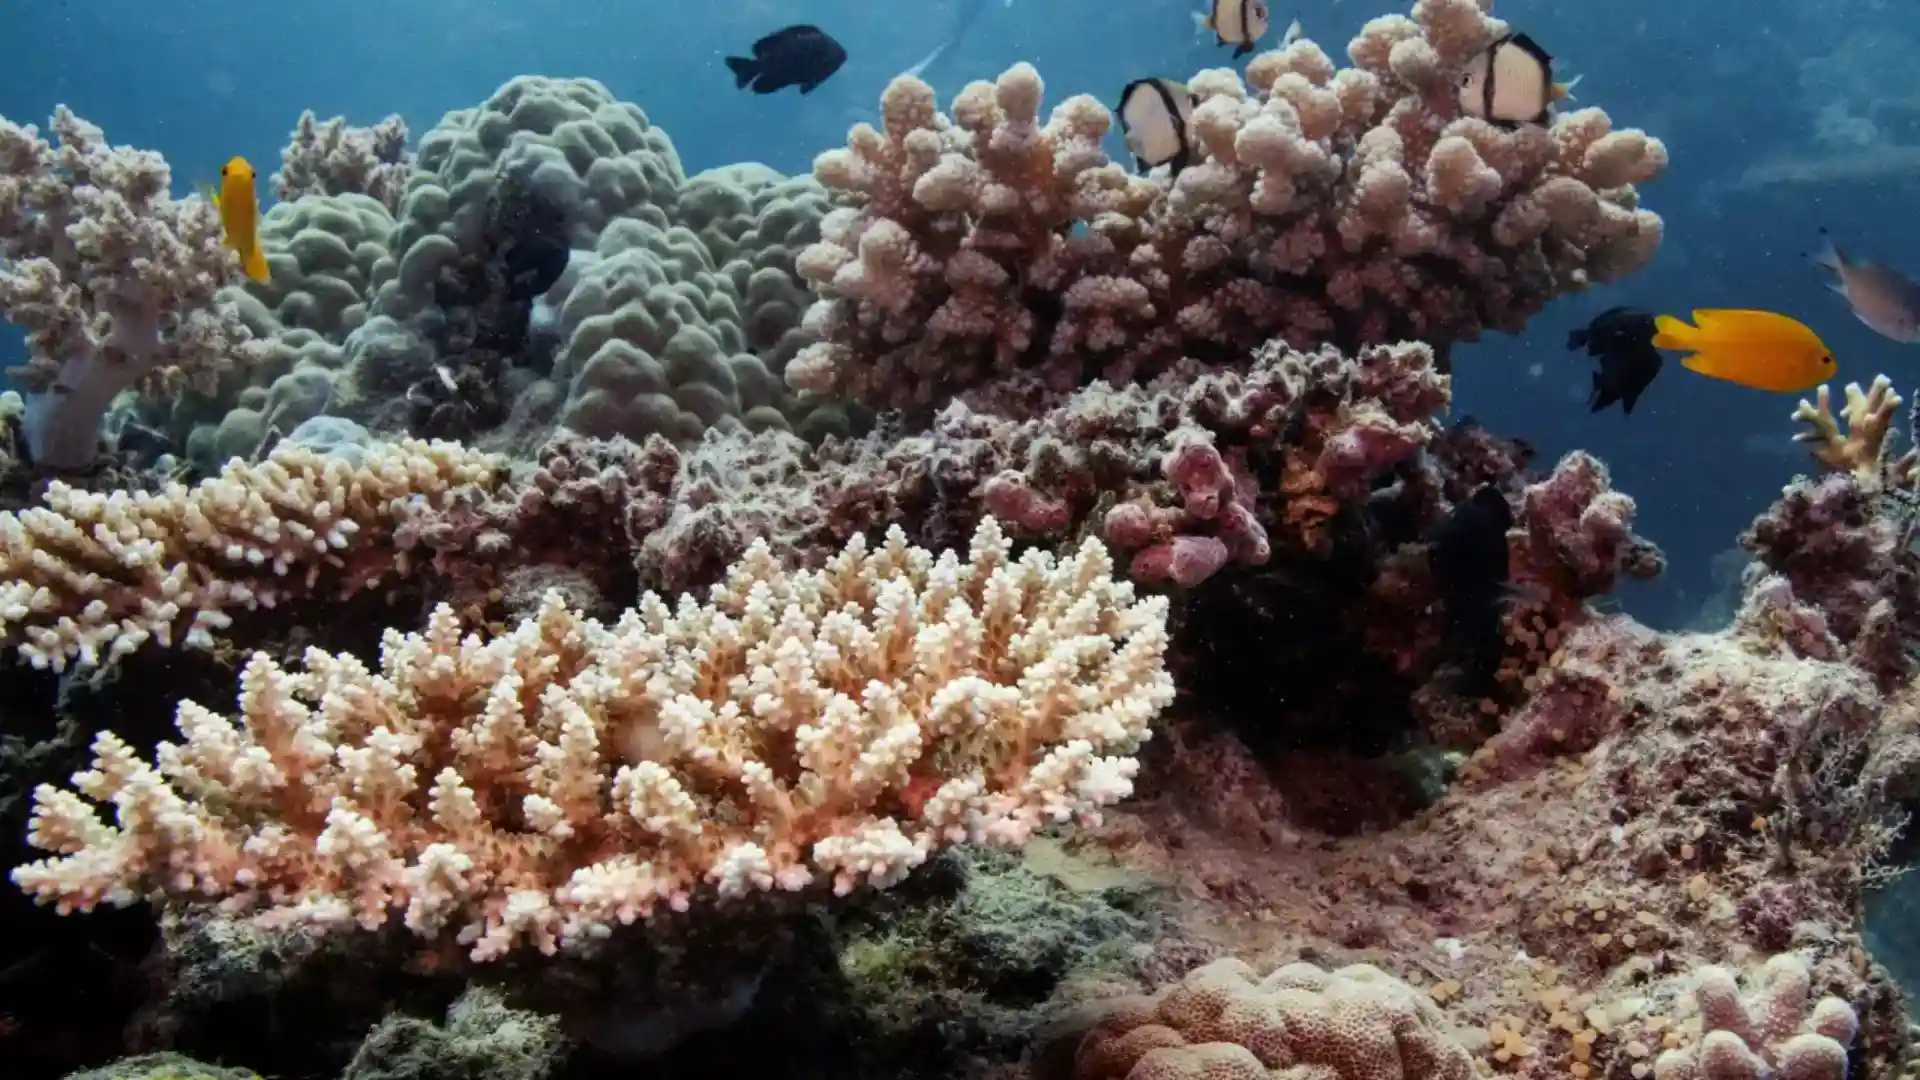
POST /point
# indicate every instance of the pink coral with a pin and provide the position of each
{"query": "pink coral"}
(545, 785)
(1579, 530)
(1843, 555)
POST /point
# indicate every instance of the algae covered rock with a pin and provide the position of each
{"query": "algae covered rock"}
(166, 1066)
(482, 1039)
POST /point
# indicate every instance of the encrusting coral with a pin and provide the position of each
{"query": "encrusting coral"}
(1224, 1021)
(544, 786)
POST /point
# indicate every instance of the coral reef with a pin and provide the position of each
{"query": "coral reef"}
(676, 619)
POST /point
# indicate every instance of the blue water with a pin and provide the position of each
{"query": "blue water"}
(1730, 87)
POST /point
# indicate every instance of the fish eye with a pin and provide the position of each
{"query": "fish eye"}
(1466, 78)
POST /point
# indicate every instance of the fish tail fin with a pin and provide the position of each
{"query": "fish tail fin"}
(254, 262)
(1577, 339)
(1672, 333)
(1563, 91)
(743, 68)
(1829, 257)
(927, 60)
(1202, 22)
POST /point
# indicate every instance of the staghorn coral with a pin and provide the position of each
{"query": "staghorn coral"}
(1348, 206)
(543, 786)
(88, 577)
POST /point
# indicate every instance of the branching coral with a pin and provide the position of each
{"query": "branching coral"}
(330, 158)
(90, 577)
(1862, 448)
(1771, 1033)
(112, 280)
(1351, 207)
(1842, 542)
(830, 727)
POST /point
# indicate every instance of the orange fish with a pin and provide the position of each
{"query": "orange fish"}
(240, 217)
(1759, 349)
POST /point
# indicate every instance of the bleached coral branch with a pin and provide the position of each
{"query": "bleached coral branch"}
(90, 577)
(1862, 448)
(825, 729)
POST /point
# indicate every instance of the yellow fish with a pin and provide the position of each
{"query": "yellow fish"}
(1759, 349)
(240, 217)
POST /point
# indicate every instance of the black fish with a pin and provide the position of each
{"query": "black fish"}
(1468, 559)
(533, 264)
(802, 56)
(1621, 339)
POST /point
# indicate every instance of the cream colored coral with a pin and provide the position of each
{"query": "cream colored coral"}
(1771, 1032)
(1862, 448)
(1226, 1022)
(826, 728)
(90, 577)
(956, 219)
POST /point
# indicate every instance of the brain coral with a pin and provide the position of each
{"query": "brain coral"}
(1225, 1022)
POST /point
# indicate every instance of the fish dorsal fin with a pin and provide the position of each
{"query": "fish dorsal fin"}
(1530, 47)
(1747, 324)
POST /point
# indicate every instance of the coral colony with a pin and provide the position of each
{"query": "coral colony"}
(811, 538)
